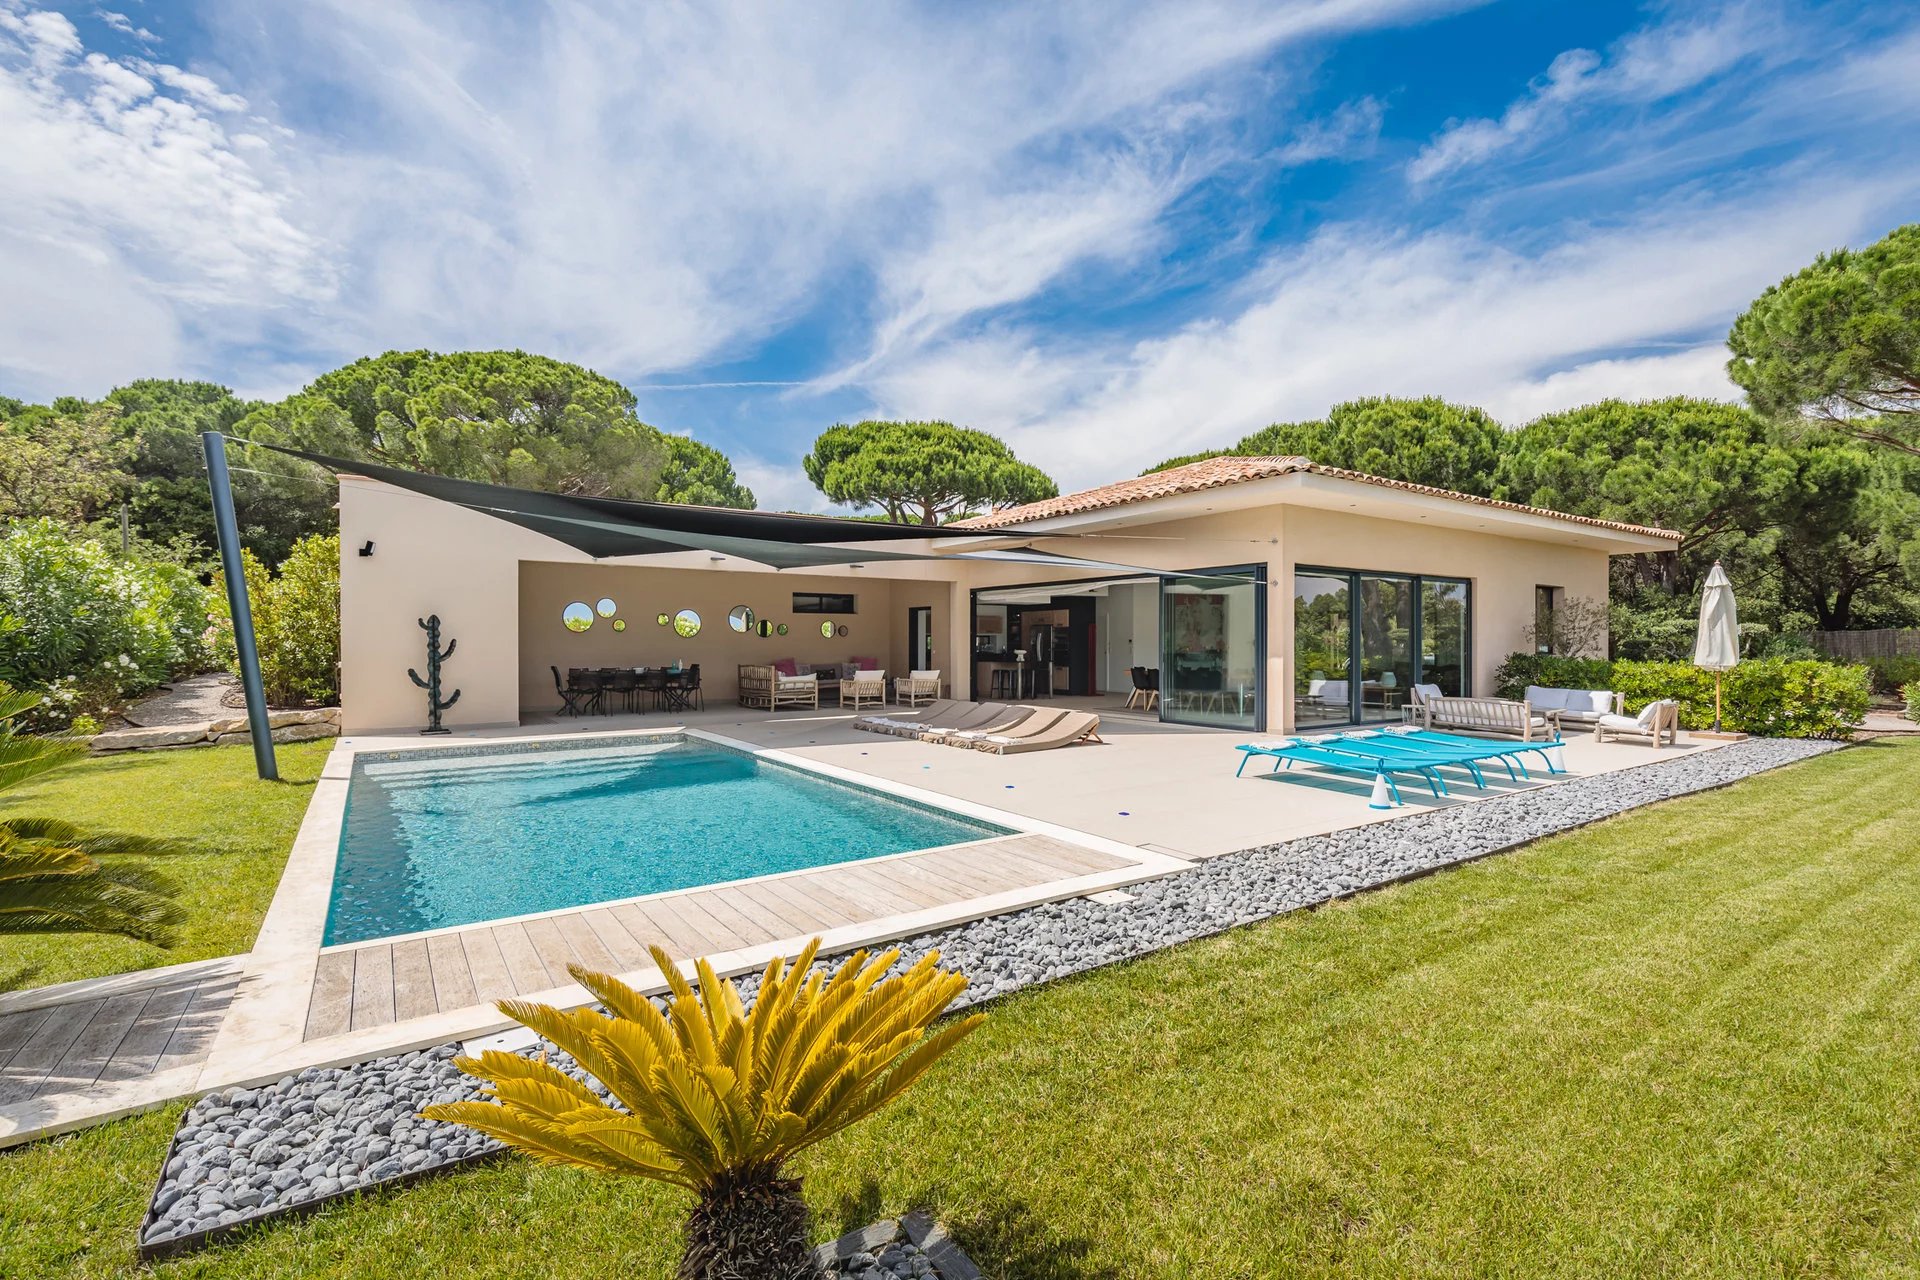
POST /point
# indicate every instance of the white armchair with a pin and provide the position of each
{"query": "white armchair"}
(916, 687)
(1657, 720)
(863, 689)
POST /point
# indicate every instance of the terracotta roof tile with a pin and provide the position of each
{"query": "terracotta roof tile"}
(1213, 473)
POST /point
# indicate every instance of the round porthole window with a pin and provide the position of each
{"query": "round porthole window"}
(740, 618)
(606, 608)
(664, 619)
(842, 631)
(782, 628)
(577, 616)
(766, 628)
(686, 623)
(619, 624)
(826, 629)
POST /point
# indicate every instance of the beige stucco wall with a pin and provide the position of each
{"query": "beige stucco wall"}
(499, 591)
(642, 594)
(429, 557)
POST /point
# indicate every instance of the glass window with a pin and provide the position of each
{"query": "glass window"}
(1362, 641)
(1386, 645)
(1210, 635)
(1545, 600)
(1322, 650)
(1443, 635)
(819, 602)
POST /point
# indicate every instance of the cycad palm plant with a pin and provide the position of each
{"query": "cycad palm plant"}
(716, 1099)
(51, 876)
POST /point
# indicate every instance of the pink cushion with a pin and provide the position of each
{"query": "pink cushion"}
(787, 667)
(866, 664)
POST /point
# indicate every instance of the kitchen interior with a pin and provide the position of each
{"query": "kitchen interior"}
(1064, 639)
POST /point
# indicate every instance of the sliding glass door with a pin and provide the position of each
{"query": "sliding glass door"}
(1212, 640)
(1362, 641)
(1385, 612)
(1322, 649)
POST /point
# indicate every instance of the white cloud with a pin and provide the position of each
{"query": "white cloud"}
(1352, 131)
(1699, 371)
(1365, 311)
(1648, 65)
(653, 188)
(124, 25)
(132, 209)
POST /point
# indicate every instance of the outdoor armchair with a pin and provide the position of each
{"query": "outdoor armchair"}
(1657, 720)
(916, 687)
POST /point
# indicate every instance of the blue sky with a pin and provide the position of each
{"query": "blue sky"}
(1108, 232)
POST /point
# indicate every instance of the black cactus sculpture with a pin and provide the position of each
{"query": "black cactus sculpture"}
(435, 655)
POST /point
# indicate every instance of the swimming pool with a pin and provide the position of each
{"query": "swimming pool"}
(433, 839)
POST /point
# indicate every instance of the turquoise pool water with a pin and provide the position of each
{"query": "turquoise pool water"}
(432, 841)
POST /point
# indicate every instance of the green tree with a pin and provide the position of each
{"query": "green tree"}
(67, 463)
(701, 475)
(1848, 531)
(276, 500)
(1707, 470)
(1839, 342)
(921, 472)
(1424, 441)
(505, 417)
(52, 877)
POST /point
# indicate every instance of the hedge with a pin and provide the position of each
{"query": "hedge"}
(1912, 695)
(1773, 697)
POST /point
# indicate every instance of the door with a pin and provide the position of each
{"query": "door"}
(920, 638)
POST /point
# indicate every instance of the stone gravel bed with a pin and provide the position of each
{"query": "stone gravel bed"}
(242, 1155)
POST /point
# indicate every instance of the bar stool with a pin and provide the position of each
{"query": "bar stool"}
(1004, 683)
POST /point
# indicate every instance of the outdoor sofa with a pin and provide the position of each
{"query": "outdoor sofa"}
(1575, 706)
(767, 688)
(1485, 715)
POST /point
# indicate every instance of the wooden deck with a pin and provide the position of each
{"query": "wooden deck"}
(361, 986)
(138, 1029)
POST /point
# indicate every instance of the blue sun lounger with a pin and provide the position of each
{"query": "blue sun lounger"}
(1374, 746)
(1487, 748)
(1380, 769)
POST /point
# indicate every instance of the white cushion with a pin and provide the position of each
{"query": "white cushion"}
(1546, 699)
(1611, 721)
(1333, 691)
(1422, 692)
(1315, 685)
(925, 675)
(1648, 714)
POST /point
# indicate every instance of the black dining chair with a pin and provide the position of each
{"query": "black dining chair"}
(653, 687)
(592, 696)
(624, 685)
(569, 697)
(695, 698)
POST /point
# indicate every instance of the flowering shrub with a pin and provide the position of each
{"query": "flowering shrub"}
(296, 623)
(87, 629)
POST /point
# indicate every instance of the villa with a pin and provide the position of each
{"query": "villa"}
(1253, 588)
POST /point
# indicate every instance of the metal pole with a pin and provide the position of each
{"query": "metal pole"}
(227, 531)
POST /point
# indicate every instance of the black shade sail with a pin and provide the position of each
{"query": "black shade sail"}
(602, 527)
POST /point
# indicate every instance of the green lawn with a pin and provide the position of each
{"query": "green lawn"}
(1678, 1043)
(206, 796)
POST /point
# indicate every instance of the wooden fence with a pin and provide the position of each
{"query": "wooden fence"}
(1858, 646)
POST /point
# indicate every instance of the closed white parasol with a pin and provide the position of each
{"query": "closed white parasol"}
(1717, 648)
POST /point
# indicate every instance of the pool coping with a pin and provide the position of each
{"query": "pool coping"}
(263, 1035)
